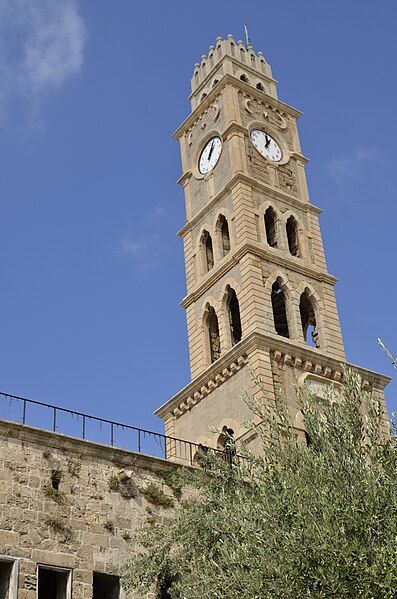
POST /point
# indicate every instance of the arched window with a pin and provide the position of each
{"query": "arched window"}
(213, 334)
(244, 78)
(270, 227)
(292, 236)
(223, 229)
(233, 310)
(260, 87)
(215, 82)
(227, 443)
(206, 242)
(204, 95)
(308, 319)
(279, 310)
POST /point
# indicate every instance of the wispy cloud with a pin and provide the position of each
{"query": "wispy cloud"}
(41, 47)
(143, 250)
(144, 242)
(355, 165)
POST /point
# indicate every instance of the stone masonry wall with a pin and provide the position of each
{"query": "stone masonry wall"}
(88, 524)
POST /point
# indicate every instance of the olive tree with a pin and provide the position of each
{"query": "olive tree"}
(293, 520)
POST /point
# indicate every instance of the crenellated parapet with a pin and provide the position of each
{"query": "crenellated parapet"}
(235, 58)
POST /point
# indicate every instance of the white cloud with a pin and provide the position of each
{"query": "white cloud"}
(143, 250)
(41, 47)
(355, 165)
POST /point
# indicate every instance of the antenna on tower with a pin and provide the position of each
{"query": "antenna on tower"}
(388, 353)
(247, 36)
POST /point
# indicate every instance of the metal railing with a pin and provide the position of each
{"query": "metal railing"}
(98, 430)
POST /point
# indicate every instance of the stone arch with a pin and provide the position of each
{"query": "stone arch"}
(259, 85)
(222, 235)
(214, 83)
(279, 309)
(262, 230)
(270, 220)
(229, 423)
(292, 230)
(289, 216)
(211, 335)
(205, 252)
(231, 315)
(242, 75)
(215, 228)
(310, 316)
(282, 281)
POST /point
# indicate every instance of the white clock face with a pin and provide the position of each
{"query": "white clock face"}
(266, 145)
(210, 155)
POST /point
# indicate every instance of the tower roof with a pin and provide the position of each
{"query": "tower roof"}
(228, 56)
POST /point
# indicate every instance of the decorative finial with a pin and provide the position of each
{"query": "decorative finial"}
(247, 37)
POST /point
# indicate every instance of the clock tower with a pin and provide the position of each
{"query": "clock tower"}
(259, 295)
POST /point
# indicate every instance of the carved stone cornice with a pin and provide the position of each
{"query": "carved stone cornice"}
(284, 261)
(287, 198)
(287, 351)
(244, 87)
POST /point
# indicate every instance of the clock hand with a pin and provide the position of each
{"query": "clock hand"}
(268, 140)
(211, 150)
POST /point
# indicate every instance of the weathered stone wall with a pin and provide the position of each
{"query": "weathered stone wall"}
(88, 524)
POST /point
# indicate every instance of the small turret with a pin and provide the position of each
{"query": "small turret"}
(234, 58)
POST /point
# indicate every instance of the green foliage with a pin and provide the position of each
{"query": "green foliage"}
(172, 479)
(291, 522)
(123, 484)
(74, 468)
(156, 496)
(58, 526)
(57, 496)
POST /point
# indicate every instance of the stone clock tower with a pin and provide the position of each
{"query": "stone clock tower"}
(259, 296)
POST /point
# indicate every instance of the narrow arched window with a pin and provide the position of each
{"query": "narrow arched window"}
(279, 310)
(208, 250)
(244, 78)
(233, 310)
(225, 237)
(215, 82)
(213, 334)
(308, 320)
(226, 442)
(204, 95)
(270, 227)
(260, 87)
(292, 236)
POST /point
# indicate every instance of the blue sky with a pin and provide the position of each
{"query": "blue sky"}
(91, 268)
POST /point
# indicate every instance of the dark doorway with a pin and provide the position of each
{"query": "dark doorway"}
(105, 586)
(52, 583)
(5, 578)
